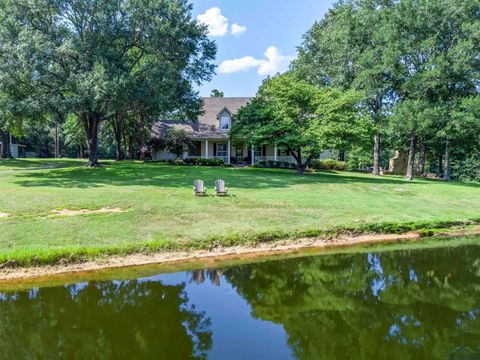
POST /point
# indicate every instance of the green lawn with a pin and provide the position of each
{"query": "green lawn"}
(161, 209)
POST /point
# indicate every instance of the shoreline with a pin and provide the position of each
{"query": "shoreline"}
(259, 251)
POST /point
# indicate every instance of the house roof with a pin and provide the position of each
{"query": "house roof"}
(206, 126)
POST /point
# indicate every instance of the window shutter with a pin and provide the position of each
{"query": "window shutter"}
(214, 149)
(264, 150)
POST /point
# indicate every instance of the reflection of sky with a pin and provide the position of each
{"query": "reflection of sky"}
(236, 335)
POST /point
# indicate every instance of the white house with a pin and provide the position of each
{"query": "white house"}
(211, 134)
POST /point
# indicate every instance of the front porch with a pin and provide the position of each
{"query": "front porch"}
(235, 154)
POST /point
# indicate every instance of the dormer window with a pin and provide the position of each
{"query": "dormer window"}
(225, 122)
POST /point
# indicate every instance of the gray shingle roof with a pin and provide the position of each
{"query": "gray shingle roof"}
(206, 126)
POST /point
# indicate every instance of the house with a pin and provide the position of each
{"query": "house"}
(211, 134)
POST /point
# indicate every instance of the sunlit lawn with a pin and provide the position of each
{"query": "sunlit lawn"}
(159, 204)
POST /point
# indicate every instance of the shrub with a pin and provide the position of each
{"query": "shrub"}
(271, 163)
(329, 164)
(262, 163)
(178, 162)
(204, 162)
(467, 170)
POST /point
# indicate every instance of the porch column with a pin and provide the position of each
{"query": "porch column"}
(229, 152)
(253, 155)
(206, 149)
(275, 153)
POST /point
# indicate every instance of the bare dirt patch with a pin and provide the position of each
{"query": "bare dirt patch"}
(70, 212)
(3, 215)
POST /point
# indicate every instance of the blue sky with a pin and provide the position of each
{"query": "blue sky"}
(255, 38)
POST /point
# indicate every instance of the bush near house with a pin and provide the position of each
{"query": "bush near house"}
(204, 162)
(329, 164)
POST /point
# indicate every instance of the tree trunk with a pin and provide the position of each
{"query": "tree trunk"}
(376, 154)
(80, 151)
(440, 165)
(448, 166)
(117, 132)
(421, 158)
(411, 156)
(91, 122)
(298, 158)
(142, 136)
(341, 155)
(57, 145)
(6, 151)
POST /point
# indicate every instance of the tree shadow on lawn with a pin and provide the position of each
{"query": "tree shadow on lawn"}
(155, 175)
(38, 164)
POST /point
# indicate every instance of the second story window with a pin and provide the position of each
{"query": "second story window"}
(225, 123)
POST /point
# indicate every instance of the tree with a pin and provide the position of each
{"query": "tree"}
(83, 52)
(299, 117)
(178, 142)
(216, 93)
(164, 324)
(348, 49)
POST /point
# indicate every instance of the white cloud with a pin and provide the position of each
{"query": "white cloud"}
(238, 29)
(216, 22)
(274, 62)
(236, 65)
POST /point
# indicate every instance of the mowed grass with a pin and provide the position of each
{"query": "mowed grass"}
(161, 209)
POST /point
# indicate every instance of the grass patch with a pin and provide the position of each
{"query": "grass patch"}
(265, 205)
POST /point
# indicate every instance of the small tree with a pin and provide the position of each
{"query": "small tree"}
(216, 93)
(178, 141)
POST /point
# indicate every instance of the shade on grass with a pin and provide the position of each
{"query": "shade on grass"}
(161, 207)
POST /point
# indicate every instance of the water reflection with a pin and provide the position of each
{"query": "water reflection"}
(109, 320)
(397, 305)
(410, 304)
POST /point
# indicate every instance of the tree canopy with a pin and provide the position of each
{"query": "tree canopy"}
(300, 118)
(99, 59)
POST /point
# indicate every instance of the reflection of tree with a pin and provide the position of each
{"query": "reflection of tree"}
(412, 304)
(199, 276)
(110, 320)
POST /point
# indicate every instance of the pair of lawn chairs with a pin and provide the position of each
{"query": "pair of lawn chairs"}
(199, 188)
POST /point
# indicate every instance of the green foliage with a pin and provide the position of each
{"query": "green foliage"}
(300, 118)
(216, 93)
(178, 141)
(468, 170)
(329, 164)
(204, 162)
(98, 67)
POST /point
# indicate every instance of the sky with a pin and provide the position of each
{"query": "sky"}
(255, 38)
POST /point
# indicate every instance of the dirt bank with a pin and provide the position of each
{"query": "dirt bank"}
(235, 252)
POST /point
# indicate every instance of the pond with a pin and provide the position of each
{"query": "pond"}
(378, 303)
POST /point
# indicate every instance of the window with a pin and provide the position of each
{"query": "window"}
(222, 150)
(259, 151)
(225, 122)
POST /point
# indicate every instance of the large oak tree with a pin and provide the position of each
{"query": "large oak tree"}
(86, 54)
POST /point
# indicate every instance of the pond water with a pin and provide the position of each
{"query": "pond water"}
(402, 304)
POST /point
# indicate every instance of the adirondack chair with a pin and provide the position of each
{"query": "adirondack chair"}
(220, 188)
(199, 189)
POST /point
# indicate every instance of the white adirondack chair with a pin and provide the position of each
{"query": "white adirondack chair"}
(220, 188)
(199, 189)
